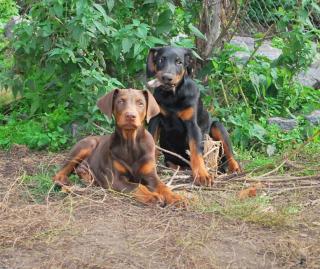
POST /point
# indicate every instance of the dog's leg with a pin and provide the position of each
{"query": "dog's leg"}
(219, 133)
(140, 192)
(147, 171)
(82, 150)
(169, 196)
(199, 171)
(154, 130)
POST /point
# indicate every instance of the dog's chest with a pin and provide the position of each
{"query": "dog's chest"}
(169, 101)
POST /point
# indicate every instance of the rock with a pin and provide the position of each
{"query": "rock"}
(314, 117)
(248, 43)
(268, 51)
(283, 123)
(74, 129)
(8, 28)
(308, 78)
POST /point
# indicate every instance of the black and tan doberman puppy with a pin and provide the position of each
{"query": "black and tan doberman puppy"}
(125, 160)
(183, 120)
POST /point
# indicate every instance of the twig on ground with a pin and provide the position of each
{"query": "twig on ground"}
(274, 170)
(294, 189)
(173, 176)
(173, 154)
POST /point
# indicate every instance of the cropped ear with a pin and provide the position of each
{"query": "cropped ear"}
(151, 64)
(188, 59)
(152, 106)
(105, 103)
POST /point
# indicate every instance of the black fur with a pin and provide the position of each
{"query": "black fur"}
(175, 133)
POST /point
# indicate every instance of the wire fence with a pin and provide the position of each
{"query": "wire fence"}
(254, 16)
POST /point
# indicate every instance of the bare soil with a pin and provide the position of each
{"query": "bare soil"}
(100, 229)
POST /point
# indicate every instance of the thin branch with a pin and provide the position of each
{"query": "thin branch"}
(173, 154)
(224, 93)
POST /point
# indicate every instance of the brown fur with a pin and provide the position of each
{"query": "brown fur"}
(124, 160)
(186, 114)
(199, 171)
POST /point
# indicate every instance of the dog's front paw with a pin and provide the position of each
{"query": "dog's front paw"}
(234, 166)
(60, 179)
(176, 200)
(145, 196)
(202, 178)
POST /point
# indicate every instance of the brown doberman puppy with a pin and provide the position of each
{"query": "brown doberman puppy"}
(125, 160)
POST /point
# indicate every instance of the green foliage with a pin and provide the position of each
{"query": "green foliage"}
(249, 93)
(297, 33)
(48, 130)
(8, 8)
(68, 53)
(254, 92)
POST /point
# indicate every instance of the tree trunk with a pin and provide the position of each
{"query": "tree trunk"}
(210, 26)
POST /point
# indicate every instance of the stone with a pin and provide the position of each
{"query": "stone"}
(308, 78)
(268, 51)
(248, 43)
(283, 123)
(8, 28)
(314, 117)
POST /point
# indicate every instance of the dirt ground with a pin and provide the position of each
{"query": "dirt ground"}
(100, 229)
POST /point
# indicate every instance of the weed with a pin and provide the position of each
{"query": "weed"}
(258, 210)
(39, 185)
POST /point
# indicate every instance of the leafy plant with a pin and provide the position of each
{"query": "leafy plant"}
(66, 54)
(8, 8)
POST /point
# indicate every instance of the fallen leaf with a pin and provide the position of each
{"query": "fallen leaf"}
(249, 192)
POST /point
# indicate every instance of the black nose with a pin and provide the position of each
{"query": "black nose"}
(130, 116)
(167, 78)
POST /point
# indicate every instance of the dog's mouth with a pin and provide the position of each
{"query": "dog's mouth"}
(129, 125)
(155, 83)
(168, 87)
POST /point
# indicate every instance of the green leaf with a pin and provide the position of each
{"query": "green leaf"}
(258, 131)
(316, 7)
(34, 106)
(196, 31)
(110, 4)
(142, 31)
(137, 49)
(83, 41)
(164, 23)
(155, 41)
(102, 11)
(126, 45)
(172, 7)
(99, 26)
(58, 10)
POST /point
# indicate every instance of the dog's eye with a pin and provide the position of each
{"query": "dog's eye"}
(121, 101)
(178, 61)
(161, 60)
(140, 103)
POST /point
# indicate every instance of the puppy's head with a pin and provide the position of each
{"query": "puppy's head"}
(130, 107)
(169, 65)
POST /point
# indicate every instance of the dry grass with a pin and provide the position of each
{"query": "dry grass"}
(41, 227)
